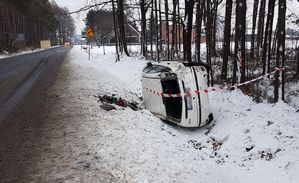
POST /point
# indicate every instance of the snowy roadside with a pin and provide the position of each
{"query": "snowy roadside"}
(6, 55)
(249, 143)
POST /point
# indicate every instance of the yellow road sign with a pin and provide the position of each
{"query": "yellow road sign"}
(89, 33)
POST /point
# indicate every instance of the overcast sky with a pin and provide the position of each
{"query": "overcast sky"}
(73, 5)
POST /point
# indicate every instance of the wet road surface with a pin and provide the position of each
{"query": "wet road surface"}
(55, 133)
(19, 74)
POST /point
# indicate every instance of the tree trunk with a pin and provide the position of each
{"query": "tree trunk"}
(260, 27)
(151, 29)
(143, 10)
(157, 31)
(180, 29)
(214, 11)
(121, 22)
(240, 38)
(208, 25)
(174, 30)
(227, 36)
(255, 8)
(160, 28)
(281, 33)
(199, 14)
(297, 73)
(267, 39)
(115, 31)
(189, 5)
(167, 29)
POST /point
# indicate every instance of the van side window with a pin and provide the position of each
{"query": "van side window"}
(158, 69)
(148, 68)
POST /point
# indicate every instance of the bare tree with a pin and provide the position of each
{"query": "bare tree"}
(254, 17)
(260, 28)
(267, 38)
(187, 29)
(240, 39)
(174, 45)
(115, 30)
(199, 18)
(297, 71)
(280, 58)
(157, 31)
(214, 12)
(121, 25)
(227, 36)
(144, 8)
(208, 24)
(167, 28)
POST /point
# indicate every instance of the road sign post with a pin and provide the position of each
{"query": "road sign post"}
(89, 51)
(89, 33)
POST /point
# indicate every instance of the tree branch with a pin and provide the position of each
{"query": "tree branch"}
(85, 8)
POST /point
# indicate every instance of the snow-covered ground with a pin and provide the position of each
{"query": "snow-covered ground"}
(249, 142)
(6, 54)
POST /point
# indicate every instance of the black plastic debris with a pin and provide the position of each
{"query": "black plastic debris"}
(107, 107)
(249, 148)
(106, 99)
(266, 155)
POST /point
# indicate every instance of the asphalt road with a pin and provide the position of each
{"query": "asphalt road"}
(57, 132)
(19, 74)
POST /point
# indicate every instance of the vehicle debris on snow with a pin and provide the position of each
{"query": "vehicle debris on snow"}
(118, 101)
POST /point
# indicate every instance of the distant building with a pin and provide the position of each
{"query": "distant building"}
(179, 33)
(132, 34)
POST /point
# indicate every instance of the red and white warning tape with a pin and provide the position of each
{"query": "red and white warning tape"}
(212, 88)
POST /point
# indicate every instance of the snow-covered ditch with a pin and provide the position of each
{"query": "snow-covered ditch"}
(248, 142)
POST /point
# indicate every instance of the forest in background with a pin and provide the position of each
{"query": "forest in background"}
(236, 49)
(24, 23)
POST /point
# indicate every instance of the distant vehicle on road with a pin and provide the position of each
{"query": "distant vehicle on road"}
(174, 91)
(85, 47)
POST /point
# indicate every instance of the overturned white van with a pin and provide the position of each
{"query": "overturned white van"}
(175, 92)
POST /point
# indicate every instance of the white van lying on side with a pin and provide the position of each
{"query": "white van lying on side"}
(174, 91)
